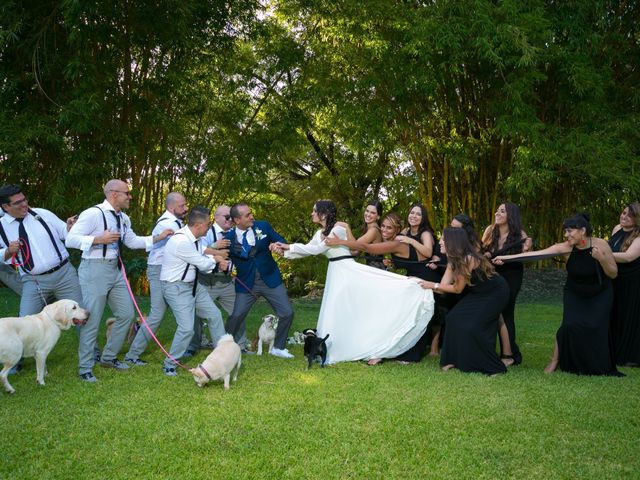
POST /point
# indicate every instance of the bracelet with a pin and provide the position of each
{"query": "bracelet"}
(436, 286)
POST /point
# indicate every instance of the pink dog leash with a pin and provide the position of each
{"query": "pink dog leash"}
(144, 321)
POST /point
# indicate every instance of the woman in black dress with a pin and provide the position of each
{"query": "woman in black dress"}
(470, 336)
(404, 255)
(625, 314)
(506, 236)
(370, 233)
(420, 237)
(582, 341)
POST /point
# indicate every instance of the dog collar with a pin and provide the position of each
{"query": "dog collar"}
(204, 371)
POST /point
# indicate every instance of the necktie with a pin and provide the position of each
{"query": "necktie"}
(25, 248)
(246, 248)
(195, 280)
(119, 224)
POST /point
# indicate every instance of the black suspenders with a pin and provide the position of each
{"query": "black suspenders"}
(5, 239)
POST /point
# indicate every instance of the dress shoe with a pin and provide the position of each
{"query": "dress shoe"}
(88, 377)
(115, 363)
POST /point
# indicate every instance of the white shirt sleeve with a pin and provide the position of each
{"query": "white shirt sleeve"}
(80, 236)
(186, 252)
(315, 247)
(131, 240)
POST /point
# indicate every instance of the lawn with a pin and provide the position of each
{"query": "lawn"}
(344, 421)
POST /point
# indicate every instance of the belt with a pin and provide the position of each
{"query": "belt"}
(56, 268)
(342, 257)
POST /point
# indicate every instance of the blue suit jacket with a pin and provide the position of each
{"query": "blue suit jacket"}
(260, 258)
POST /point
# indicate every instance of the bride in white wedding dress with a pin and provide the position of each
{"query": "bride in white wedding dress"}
(369, 313)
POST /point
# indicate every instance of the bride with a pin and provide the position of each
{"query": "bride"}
(369, 313)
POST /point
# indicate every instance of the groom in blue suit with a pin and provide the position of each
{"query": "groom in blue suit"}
(252, 242)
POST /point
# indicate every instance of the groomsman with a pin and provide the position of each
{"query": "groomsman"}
(183, 259)
(100, 233)
(218, 284)
(172, 218)
(36, 236)
(257, 274)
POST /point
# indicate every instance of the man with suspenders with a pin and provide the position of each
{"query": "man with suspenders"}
(34, 238)
(183, 259)
(100, 232)
(172, 218)
(218, 284)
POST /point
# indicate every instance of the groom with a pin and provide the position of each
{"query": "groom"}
(257, 274)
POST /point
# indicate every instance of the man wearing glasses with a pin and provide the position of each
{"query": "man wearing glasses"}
(173, 219)
(33, 239)
(218, 284)
(100, 233)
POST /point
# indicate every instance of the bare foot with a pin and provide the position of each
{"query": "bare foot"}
(448, 367)
(553, 365)
(374, 361)
(507, 360)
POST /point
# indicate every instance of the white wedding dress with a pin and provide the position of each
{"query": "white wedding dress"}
(368, 312)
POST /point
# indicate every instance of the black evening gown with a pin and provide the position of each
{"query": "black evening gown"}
(625, 314)
(472, 325)
(583, 336)
(419, 269)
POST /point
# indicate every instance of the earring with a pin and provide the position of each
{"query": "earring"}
(583, 242)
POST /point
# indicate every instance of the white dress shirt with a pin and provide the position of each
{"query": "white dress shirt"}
(42, 252)
(90, 224)
(209, 240)
(167, 220)
(251, 237)
(181, 251)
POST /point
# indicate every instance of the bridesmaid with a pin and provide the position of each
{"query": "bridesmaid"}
(625, 314)
(506, 236)
(470, 336)
(420, 236)
(370, 233)
(582, 341)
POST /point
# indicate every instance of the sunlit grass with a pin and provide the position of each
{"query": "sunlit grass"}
(344, 421)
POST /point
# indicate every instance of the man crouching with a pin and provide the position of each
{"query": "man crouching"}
(183, 259)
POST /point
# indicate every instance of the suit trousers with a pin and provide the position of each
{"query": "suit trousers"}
(279, 301)
(224, 294)
(156, 313)
(185, 307)
(102, 283)
(61, 284)
(10, 278)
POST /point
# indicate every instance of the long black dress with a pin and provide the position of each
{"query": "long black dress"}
(625, 314)
(472, 325)
(583, 336)
(512, 272)
(418, 269)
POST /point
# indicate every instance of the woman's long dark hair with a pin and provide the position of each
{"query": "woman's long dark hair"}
(468, 226)
(327, 209)
(425, 224)
(459, 250)
(514, 237)
(378, 206)
(634, 212)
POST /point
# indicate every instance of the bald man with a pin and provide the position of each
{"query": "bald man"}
(173, 219)
(100, 232)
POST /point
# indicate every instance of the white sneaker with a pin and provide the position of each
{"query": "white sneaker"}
(284, 353)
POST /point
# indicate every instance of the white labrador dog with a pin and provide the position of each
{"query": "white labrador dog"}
(219, 364)
(35, 336)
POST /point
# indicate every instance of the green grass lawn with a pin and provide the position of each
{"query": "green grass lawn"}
(344, 421)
